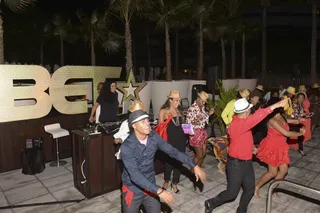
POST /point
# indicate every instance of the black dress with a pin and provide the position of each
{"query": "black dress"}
(178, 140)
(109, 108)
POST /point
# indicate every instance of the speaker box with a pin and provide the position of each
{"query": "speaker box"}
(212, 77)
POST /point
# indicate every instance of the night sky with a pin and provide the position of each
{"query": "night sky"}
(287, 45)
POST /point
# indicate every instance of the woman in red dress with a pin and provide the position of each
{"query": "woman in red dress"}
(273, 150)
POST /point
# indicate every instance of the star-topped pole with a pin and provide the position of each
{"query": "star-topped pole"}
(130, 88)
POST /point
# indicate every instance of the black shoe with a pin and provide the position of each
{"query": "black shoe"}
(207, 207)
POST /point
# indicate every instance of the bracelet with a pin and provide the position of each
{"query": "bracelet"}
(160, 192)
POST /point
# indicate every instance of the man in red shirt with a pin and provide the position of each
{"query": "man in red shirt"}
(239, 165)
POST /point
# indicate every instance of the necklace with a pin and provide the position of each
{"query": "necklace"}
(175, 120)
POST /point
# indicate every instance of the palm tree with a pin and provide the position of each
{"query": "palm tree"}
(15, 6)
(61, 28)
(170, 14)
(124, 10)
(202, 10)
(96, 28)
(246, 33)
(233, 7)
(218, 31)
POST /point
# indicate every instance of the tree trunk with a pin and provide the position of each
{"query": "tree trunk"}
(149, 54)
(314, 41)
(243, 56)
(168, 54)
(93, 54)
(1, 40)
(41, 54)
(200, 62)
(61, 50)
(135, 68)
(224, 60)
(128, 42)
(233, 59)
(264, 42)
(177, 55)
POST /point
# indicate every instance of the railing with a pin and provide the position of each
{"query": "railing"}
(275, 81)
(276, 182)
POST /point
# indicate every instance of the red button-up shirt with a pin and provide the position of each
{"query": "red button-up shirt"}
(241, 140)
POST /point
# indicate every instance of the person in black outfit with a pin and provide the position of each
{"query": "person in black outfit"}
(108, 101)
(176, 138)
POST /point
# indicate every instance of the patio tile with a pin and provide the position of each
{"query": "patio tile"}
(51, 172)
(40, 209)
(15, 179)
(26, 192)
(259, 206)
(3, 203)
(69, 193)
(68, 177)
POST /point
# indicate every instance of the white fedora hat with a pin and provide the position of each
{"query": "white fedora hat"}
(242, 105)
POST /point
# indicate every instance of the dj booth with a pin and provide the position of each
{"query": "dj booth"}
(96, 170)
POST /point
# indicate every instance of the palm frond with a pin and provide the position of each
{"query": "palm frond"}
(225, 96)
(19, 5)
(112, 43)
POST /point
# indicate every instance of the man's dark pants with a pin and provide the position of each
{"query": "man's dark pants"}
(239, 173)
(151, 204)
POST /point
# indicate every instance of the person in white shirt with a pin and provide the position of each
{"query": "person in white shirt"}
(267, 96)
(124, 130)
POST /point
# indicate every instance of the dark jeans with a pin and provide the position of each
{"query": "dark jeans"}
(239, 173)
(151, 204)
(296, 128)
(175, 166)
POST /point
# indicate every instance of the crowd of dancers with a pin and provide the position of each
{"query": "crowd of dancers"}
(260, 127)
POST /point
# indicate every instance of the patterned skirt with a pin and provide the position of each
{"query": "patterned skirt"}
(199, 138)
(220, 148)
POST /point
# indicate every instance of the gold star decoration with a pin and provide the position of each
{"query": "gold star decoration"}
(131, 88)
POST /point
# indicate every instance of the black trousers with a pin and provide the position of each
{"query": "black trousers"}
(151, 204)
(239, 173)
(172, 165)
(296, 128)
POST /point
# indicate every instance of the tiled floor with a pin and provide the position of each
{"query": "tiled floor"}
(56, 184)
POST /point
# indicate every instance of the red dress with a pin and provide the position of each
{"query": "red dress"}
(274, 149)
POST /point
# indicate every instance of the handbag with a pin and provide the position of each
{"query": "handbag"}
(161, 129)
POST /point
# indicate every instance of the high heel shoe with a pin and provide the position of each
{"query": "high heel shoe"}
(166, 183)
(301, 152)
(175, 190)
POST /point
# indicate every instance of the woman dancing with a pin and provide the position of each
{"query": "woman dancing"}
(273, 150)
(176, 138)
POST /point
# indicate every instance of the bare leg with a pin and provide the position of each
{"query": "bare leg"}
(271, 173)
(283, 170)
(198, 156)
(204, 151)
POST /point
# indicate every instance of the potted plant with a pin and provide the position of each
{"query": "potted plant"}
(226, 95)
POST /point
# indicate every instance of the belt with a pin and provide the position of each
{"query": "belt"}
(236, 159)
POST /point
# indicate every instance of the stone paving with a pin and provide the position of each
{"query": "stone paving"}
(56, 184)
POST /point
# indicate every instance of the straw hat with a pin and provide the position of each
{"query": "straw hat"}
(260, 87)
(244, 93)
(291, 90)
(242, 105)
(174, 94)
(315, 85)
(302, 88)
(204, 96)
(136, 105)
